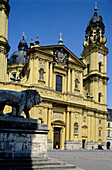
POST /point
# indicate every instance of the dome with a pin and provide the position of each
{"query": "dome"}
(23, 45)
(95, 20)
(19, 56)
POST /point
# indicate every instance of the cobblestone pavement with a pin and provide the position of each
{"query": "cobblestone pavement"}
(85, 159)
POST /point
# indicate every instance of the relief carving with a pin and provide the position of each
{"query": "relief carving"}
(74, 99)
(58, 115)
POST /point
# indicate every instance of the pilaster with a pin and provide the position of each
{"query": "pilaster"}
(67, 126)
(51, 75)
(49, 123)
(69, 80)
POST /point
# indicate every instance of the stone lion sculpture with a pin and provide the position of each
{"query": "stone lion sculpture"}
(19, 101)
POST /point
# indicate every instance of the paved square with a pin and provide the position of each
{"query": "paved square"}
(88, 160)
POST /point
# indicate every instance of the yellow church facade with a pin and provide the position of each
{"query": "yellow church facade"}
(73, 90)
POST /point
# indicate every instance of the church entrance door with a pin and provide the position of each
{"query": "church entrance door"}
(108, 145)
(57, 138)
(83, 143)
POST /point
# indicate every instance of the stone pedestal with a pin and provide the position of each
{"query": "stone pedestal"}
(21, 137)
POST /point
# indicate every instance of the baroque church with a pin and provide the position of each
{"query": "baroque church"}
(73, 90)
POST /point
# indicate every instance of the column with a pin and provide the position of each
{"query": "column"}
(65, 84)
(68, 80)
(97, 130)
(62, 138)
(72, 126)
(64, 116)
(54, 81)
(67, 126)
(31, 69)
(45, 115)
(104, 128)
(81, 83)
(73, 81)
(79, 126)
(92, 128)
(51, 75)
(37, 71)
(49, 124)
(89, 128)
(47, 71)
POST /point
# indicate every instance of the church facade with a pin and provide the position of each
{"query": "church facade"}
(73, 90)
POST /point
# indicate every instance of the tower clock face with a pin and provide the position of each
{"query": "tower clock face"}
(100, 57)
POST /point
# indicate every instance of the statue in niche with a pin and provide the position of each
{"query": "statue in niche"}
(19, 101)
(41, 74)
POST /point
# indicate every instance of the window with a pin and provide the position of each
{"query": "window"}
(108, 124)
(99, 122)
(88, 68)
(99, 133)
(99, 66)
(75, 128)
(76, 84)
(59, 83)
(108, 133)
(99, 97)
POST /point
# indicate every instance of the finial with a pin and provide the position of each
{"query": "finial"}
(24, 36)
(96, 8)
(37, 41)
(60, 41)
(60, 35)
(31, 44)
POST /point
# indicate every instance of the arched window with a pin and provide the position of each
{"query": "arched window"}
(99, 133)
(75, 128)
(99, 66)
(99, 97)
(99, 122)
(58, 83)
(108, 133)
(88, 68)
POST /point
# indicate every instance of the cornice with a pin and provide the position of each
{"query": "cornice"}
(95, 48)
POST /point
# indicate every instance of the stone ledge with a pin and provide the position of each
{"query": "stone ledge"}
(7, 122)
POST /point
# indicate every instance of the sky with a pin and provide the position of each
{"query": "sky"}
(47, 18)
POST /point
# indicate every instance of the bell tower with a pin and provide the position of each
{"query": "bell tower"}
(4, 46)
(94, 55)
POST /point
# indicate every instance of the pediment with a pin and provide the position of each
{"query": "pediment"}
(84, 126)
(63, 55)
(58, 122)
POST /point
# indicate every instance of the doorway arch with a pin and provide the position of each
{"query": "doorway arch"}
(58, 135)
(108, 145)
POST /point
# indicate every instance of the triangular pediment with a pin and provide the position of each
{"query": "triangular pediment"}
(72, 58)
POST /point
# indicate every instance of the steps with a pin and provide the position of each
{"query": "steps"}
(33, 164)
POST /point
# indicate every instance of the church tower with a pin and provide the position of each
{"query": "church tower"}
(4, 46)
(94, 56)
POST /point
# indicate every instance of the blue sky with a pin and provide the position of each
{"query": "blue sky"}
(47, 18)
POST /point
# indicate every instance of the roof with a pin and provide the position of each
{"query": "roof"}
(94, 21)
(19, 56)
